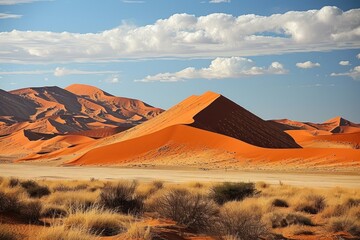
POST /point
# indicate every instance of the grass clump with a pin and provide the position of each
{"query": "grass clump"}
(279, 203)
(34, 189)
(192, 210)
(233, 191)
(240, 222)
(137, 230)
(312, 204)
(279, 220)
(54, 211)
(121, 198)
(97, 221)
(344, 224)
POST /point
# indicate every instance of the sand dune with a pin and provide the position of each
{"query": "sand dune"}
(206, 131)
(57, 110)
(182, 145)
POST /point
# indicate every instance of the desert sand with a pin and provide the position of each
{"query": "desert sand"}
(83, 125)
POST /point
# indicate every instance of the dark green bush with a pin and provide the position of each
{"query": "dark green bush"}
(233, 191)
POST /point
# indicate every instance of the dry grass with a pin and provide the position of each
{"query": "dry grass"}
(60, 232)
(98, 221)
(138, 230)
(7, 234)
(89, 209)
(241, 221)
(73, 199)
(192, 210)
(121, 197)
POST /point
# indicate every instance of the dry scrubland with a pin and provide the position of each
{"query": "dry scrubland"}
(94, 209)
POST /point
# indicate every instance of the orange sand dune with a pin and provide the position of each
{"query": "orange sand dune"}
(215, 113)
(167, 147)
(44, 111)
(311, 139)
(333, 125)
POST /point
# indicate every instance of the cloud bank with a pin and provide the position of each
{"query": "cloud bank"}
(14, 2)
(353, 73)
(8, 15)
(220, 68)
(188, 36)
(307, 64)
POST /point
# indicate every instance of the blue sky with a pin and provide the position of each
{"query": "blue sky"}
(279, 59)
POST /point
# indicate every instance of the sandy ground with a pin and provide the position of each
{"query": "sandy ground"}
(180, 175)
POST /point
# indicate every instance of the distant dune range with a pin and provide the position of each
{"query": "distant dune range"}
(83, 125)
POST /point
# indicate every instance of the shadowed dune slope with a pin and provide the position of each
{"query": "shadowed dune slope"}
(16, 107)
(226, 117)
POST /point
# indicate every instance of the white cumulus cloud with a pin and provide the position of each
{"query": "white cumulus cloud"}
(358, 56)
(307, 64)
(188, 36)
(8, 15)
(219, 68)
(61, 71)
(344, 63)
(353, 73)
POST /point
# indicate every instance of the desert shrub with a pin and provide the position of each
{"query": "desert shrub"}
(344, 224)
(7, 234)
(61, 232)
(279, 203)
(8, 200)
(240, 222)
(283, 220)
(13, 182)
(352, 202)
(30, 210)
(121, 198)
(193, 210)
(233, 191)
(34, 189)
(312, 204)
(54, 211)
(335, 211)
(137, 230)
(97, 221)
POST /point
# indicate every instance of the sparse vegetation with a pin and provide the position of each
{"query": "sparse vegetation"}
(312, 204)
(279, 203)
(233, 191)
(34, 189)
(85, 210)
(241, 222)
(193, 210)
(121, 197)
